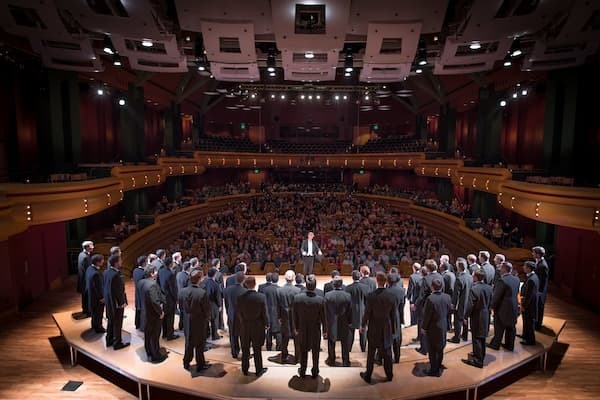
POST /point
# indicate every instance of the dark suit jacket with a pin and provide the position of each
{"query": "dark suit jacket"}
(504, 299)
(270, 290)
(138, 275)
(328, 287)
(319, 292)
(358, 297)
(94, 287)
(231, 295)
(215, 295)
(193, 301)
(529, 297)
(435, 318)
(542, 271)
(153, 301)
(425, 289)
(114, 291)
(414, 287)
(168, 285)
(315, 249)
(252, 315)
(379, 315)
(449, 281)
(460, 296)
(369, 282)
(83, 262)
(480, 299)
(183, 279)
(231, 280)
(400, 296)
(309, 317)
(300, 286)
(285, 299)
(490, 272)
(339, 314)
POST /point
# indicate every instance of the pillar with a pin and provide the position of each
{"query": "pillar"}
(133, 147)
(489, 126)
(173, 131)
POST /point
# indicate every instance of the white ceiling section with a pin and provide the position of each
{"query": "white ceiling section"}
(235, 72)
(383, 73)
(452, 61)
(299, 68)
(168, 59)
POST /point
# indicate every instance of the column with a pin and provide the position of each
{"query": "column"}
(489, 126)
(133, 147)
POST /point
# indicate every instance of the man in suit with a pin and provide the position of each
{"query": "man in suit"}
(253, 318)
(300, 282)
(309, 317)
(414, 287)
(168, 285)
(435, 325)
(490, 271)
(426, 290)
(505, 306)
(445, 260)
(215, 299)
(472, 263)
(183, 280)
(460, 301)
(216, 263)
(232, 280)
(399, 293)
(379, 316)
(115, 300)
(529, 303)
(542, 271)
(309, 250)
(449, 282)
(177, 265)
(285, 299)
(231, 295)
(138, 274)
(195, 312)
(498, 260)
(329, 285)
(339, 320)
(152, 314)
(83, 262)
(95, 291)
(478, 310)
(365, 279)
(270, 289)
(358, 295)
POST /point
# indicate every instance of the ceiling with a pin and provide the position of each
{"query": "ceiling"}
(382, 41)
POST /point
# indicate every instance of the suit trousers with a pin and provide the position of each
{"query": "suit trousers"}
(304, 360)
(345, 350)
(506, 331)
(151, 338)
(84, 302)
(308, 264)
(541, 305)
(461, 329)
(114, 327)
(97, 313)
(479, 349)
(138, 317)
(529, 329)
(214, 323)
(273, 335)
(196, 347)
(168, 322)
(362, 338)
(435, 350)
(413, 318)
(234, 340)
(387, 359)
(247, 341)
(396, 346)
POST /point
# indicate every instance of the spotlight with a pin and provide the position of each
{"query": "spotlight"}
(475, 45)
(422, 53)
(507, 61)
(503, 103)
(347, 74)
(515, 95)
(272, 96)
(418, 70)
(201, 68)
(212, 76)
(318, 97)
(302, 97)
(515, 48)
(100, 92)
(310, 96)
(349, 61)
(188, 38)
(524, 92)
(253, 96)
(117, 60)
(271, 60)
(108, 46)
(367, 97)
(121, 102)
(309, 54)
(282, 97)
(272, 73)
(147, 43)
(345, 97)
(336, 97)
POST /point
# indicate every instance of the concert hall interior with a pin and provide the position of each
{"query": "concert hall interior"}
(415, 142)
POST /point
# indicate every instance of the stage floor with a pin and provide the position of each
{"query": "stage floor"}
(225, 380)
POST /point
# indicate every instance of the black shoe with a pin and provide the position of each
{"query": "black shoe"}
(173, 337)
(159, 360)
(365, 377)
(421, 351)
(389, 378)
(314, 373)
(100, 330)
(109, 344)
(245, 373)
(491, 346)
(120, 345)
(330, 362)
(472, 363)
(471, 355)
(524, 343)
(186, 367)
(203, 367)
(378, 361)
(261, 372)
(346, 364)
(235, 356)
(454, 340)
(508, 348)
(465, 338)
(429, 372)
(300, 373)
(414, 340)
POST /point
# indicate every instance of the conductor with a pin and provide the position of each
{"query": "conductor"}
(309, 249)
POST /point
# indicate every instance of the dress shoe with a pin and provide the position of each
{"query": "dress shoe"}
(508, 348)
(414, 340)
(454, 340)
(245, 373)
(471, 355)
(365, 377)
(524, 343)
(173, 337)
(421, 351)
(314, 373)
(186, 367)
(472, 363)
(346, 364)
(261, 372)
(301, 374)
(100, 330)
(389, 378)
(159, 359)
(377, 361)
(109, 344)
(429, 372)
(203, 367)
(120, 345)
(491, 346)
(330, 362)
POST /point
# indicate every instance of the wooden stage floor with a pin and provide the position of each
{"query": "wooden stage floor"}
(225, 380)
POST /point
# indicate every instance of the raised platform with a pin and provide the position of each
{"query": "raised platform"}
(224, 380)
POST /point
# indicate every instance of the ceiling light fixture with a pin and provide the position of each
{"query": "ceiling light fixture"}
(271, 64)
(475, 45)
(503, 103)
(309, 54)
(121, 102)
(108, 46)
(117, 60)
(515, 48)
(422, 53)
(419, 70)
(147, 43)
(507, 61)
(349, 61)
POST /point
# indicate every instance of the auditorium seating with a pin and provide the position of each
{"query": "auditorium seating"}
(281, 146)
(392, 144)
(227, 144)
